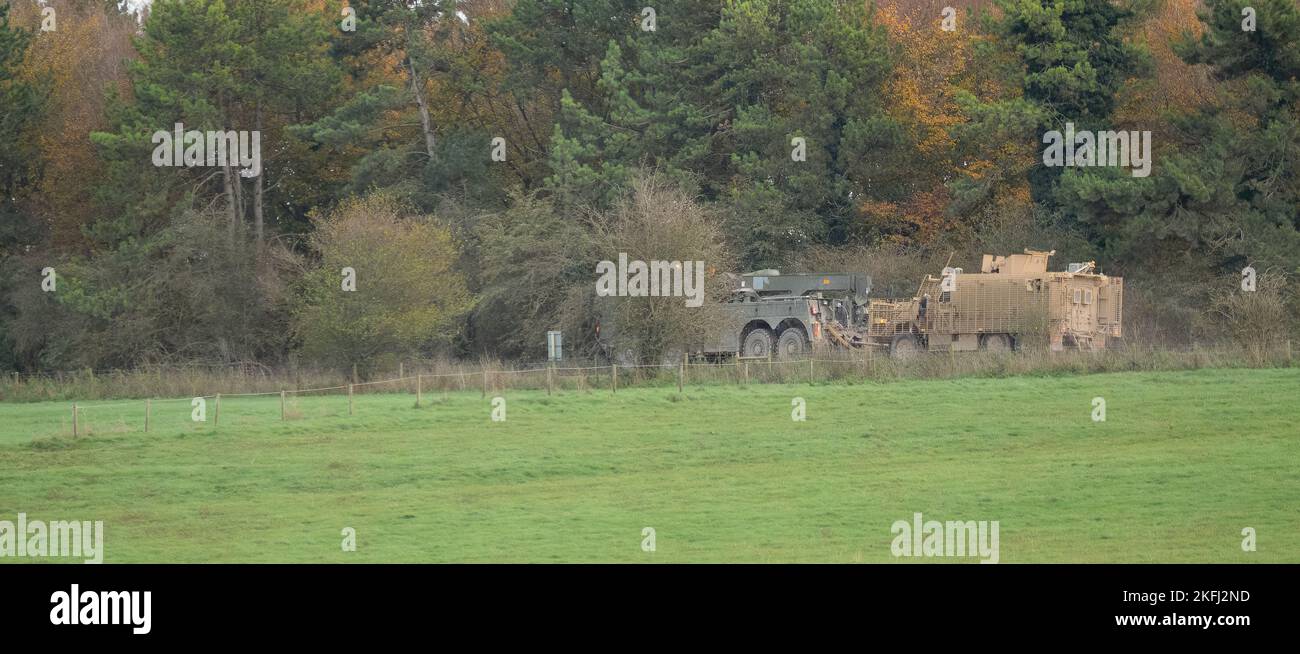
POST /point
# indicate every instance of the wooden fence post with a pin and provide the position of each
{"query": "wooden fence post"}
(485, 382)
(681, 376)
(74, 419)
(550, 374)
(613, 376)
(282, 414)
(147, 410)
(746, 373)
(419, 389)
(349, 399)
(216, 415)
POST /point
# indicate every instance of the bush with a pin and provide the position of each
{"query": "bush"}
(660, 221)
(192, 292)
(536, 273)
(1258, 321)
(407, 295)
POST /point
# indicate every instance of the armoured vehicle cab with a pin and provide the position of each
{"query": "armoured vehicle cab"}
(1012, 298)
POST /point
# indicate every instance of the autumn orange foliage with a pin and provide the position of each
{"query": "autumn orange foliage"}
(1175, 85)
(931, 67)
(84, 57)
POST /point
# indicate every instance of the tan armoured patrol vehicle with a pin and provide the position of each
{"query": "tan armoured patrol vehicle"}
(1011, 300)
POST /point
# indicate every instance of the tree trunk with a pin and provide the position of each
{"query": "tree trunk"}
(237, 181)
(230, 182)
(257, 188)
(417, 88)
(228, 187)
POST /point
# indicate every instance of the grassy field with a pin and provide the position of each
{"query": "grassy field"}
(1183, 462)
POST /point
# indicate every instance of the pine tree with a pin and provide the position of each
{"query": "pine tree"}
(1071, 61)
(724, 105)
(1226, 187)
(243, 65)
(21, 105)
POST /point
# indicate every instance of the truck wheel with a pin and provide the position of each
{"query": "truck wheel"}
(995, 343)
(758, 343)
(791, 343)
(904, 346)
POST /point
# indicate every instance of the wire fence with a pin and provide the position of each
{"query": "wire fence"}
(424, 379)
(84, 418)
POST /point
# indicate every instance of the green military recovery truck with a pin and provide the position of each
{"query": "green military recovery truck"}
(770, 314)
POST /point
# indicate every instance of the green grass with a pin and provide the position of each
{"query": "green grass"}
(1184, 461)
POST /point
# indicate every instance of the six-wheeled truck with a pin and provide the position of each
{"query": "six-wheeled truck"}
(768, 314)
(786, 315)
(1012, 298)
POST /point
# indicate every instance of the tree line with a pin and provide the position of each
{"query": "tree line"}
(469, 162)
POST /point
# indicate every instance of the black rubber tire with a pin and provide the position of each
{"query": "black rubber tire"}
(996, 343)
(757, 343)
(904, 346)
(791, 344)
